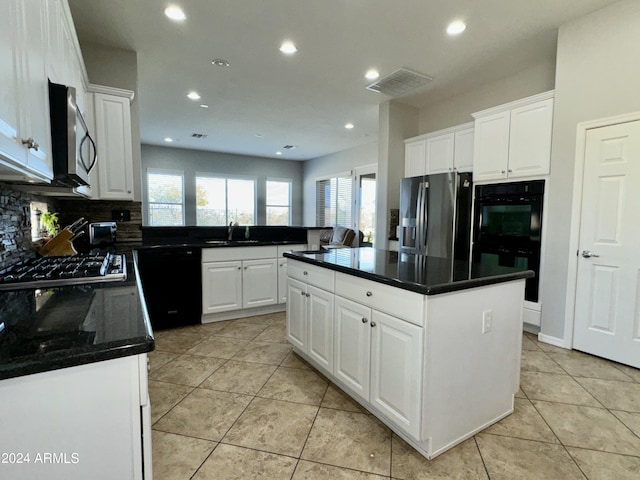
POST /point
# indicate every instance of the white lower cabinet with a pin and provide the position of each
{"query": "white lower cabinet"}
(221, 286)
(353, 346)
(282, 280)
(379, 358)
(310, 322)
(396, 370)
(258, 285)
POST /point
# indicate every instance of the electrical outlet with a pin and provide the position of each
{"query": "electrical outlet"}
(487, 321)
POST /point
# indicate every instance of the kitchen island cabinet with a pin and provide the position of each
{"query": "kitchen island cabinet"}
(431, 348)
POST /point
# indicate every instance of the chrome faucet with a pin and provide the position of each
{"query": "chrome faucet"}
(232, 226)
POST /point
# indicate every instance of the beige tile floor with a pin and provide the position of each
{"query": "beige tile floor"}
(232, 401)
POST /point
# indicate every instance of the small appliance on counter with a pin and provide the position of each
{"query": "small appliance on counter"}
(102, 233)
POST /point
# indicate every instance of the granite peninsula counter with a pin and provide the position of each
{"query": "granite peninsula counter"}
(73, 380)
(432, 348)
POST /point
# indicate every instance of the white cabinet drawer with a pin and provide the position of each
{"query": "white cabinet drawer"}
(290, 248)
(400, 303)
(219, 254)
(310, 274)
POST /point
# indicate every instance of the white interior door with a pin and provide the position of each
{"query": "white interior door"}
(607, 311)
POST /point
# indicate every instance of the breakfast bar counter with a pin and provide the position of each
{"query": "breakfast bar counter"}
(431, 347)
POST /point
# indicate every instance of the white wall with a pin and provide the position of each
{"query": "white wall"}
(597, 76)
(195, 161)
(457, 110)
(328, 165)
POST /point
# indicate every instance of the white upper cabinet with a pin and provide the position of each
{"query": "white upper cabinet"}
(514, 140)
(415, 160)
(463, 152)
(24, 99)
(440, 153)
(112, 116)
(443, 151)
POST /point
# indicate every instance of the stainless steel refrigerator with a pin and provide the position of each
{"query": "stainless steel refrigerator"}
(435, 215)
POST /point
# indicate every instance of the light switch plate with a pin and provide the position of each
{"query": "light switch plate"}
(487, 321)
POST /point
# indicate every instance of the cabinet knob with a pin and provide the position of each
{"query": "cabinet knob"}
(307, 295)
(305, 273)
(510, 170)
(502, 171)
(369, 294)
(364, 320)
(302, 293)
(373, 324)
(245, 268)
(128, 191)
(30, 143)
(239, 268)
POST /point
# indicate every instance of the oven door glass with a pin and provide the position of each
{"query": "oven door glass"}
(508, 220)
(525, 260)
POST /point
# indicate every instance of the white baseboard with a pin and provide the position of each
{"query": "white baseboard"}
(555, 341)
(247, 312)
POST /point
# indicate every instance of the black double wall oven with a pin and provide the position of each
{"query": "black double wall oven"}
(508, 228)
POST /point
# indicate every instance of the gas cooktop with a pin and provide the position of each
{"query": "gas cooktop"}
(43, 272)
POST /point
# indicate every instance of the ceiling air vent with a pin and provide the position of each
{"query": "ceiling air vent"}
(289, 147)
(198, 135)
(400, 83)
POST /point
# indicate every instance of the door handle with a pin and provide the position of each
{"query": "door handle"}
(588, 254)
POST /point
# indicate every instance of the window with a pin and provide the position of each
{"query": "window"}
(333, 201)
(165, 191)
(278, 202)
(220, 201)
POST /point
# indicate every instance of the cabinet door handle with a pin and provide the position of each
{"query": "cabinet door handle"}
(30, 143)
(364, 320)
(308, 295)
(369, 294)
(305, 273)
(302, 293)
(373, 324)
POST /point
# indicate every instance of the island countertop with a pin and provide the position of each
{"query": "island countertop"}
(418, 273)
(58, 327)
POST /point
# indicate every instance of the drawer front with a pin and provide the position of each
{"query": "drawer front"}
(223, 254)
(290, 248)
(311, 274)
(400, 303)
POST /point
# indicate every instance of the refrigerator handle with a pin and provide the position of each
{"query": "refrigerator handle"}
(421, 220)
(424, 219)
(419, 205)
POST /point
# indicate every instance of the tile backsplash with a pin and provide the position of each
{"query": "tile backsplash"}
(15, 224)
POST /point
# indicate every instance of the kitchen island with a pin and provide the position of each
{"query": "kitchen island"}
(73, 381)
(431, 347)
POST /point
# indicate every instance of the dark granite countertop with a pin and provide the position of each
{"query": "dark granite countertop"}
(216, 244)
(417, 273)
(51, 328)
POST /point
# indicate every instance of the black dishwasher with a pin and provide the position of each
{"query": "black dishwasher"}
(172, 285)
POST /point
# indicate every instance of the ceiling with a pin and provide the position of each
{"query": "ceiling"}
(305, 99)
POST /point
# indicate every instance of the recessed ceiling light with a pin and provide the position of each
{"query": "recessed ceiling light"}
(288, 47)
(349, 126)
(259, 135)
(372, 74)
(193, 95)
(175, 13)
(278, 152)
(219, 62)
(203, 105)
(168, 139)
(456, 27)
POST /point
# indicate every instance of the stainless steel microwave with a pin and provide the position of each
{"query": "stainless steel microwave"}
(102, 233)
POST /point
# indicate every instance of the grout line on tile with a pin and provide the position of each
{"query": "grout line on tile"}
(486, 470)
